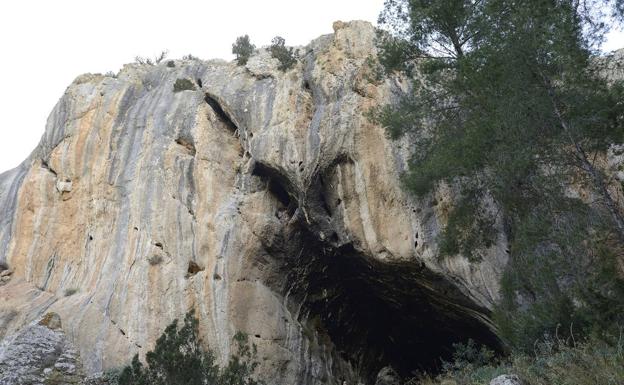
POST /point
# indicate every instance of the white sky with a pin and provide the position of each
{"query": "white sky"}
(47, 43)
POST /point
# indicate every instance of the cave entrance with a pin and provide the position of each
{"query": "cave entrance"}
(375, 314)
(378, 314)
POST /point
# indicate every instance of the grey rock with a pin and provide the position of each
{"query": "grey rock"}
(506, 379)
(40, 354)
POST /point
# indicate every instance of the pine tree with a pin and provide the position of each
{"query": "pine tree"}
(243, 49)
(179, 359)
(510, 104)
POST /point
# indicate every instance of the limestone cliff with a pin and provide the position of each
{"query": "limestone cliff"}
(265, 200)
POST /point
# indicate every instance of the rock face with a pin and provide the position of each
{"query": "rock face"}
(506, 379)
(266, 201)
(41, 354)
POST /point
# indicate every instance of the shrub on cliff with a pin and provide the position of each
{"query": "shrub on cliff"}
(285, 55)
(243, 49)
(178, 359)
(183, 85)
(552, 362)
(148, 61)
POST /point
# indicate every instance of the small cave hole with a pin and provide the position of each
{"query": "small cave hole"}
(306, 86)
(122, 332)
(257, 336)
(159, 245)
(187, 144)
(47, 167)
(279, 192)
(199, 83)
(90, 237)
(193, 268)
(275, 187)
(216, 277)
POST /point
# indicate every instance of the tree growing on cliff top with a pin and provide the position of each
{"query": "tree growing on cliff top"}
(179, 359)
(511, 106)
(285, 55)
(243, 49)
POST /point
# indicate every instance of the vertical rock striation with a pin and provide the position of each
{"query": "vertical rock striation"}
(264, 200)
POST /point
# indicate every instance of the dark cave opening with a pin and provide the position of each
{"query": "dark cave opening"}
(276, 185)
(375, 313)
(378, 314)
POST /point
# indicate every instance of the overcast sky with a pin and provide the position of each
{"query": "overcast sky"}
(47, 43)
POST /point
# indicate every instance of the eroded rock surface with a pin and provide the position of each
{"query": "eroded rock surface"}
(40, 354)
(266, 201)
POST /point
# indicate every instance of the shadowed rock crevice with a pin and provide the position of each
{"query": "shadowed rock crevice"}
(187, 144)
(221, 114)
(279, 186)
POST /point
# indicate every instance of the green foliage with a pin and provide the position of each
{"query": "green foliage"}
(183, 84)
(561, 281)
(285, 55)
(469, 228)
(374, 73)
(509, 104)
(551, 362)
(395, 54)
(243, 49)
(469, 354)
(178, 359)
